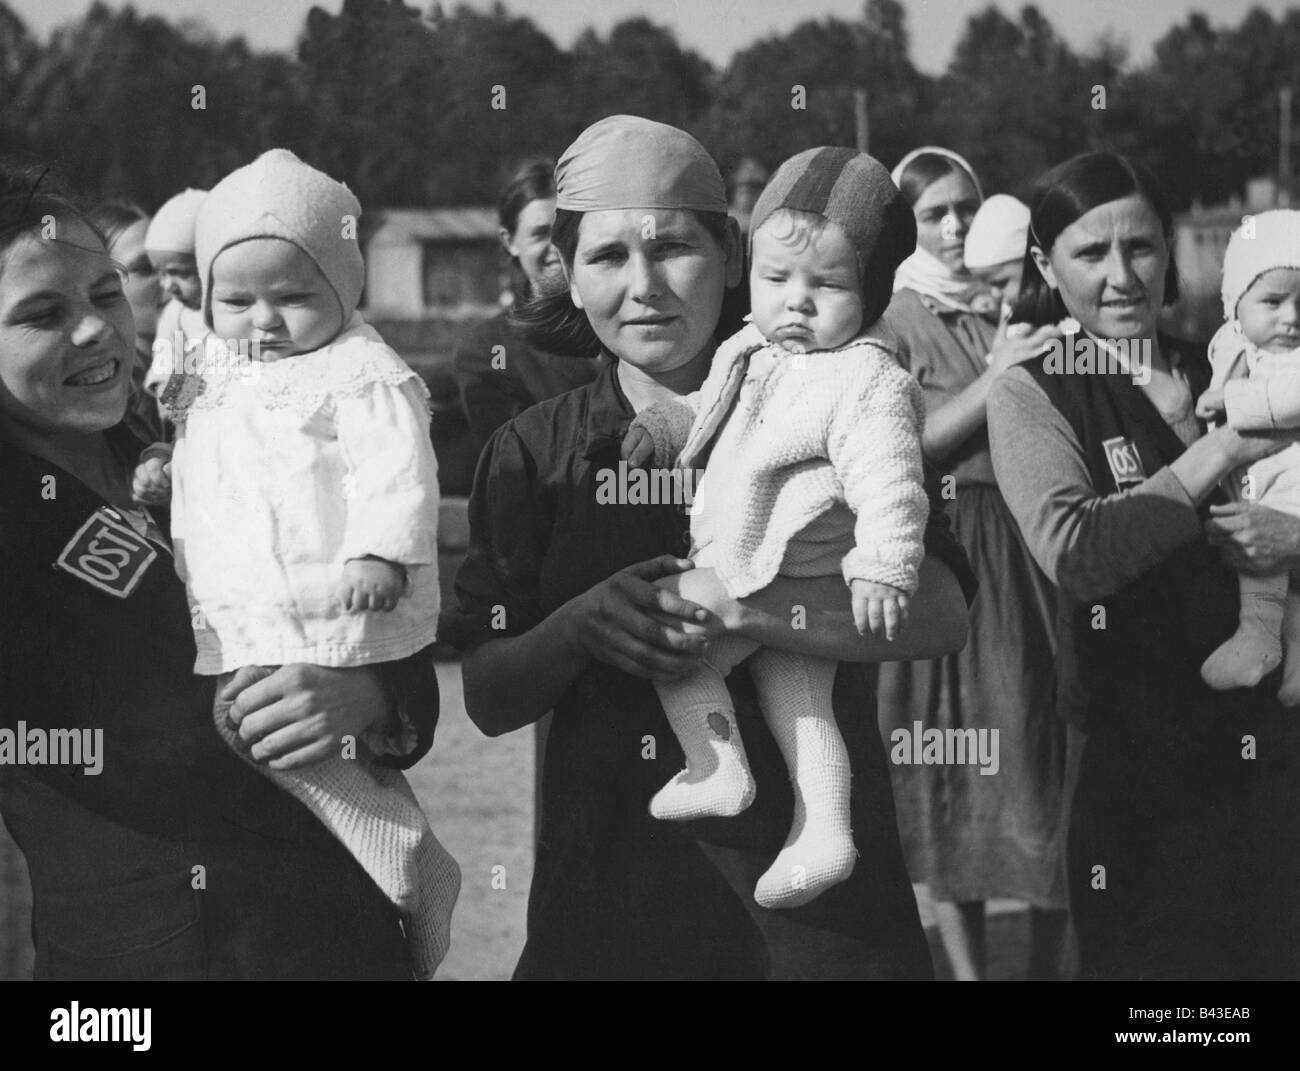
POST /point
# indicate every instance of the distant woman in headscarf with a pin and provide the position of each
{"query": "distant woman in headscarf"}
(558, 607)
(499, 373)
(970, 835)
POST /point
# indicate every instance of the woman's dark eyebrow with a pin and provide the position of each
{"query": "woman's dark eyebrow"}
(36, 298)
(614, 245)
(1094, 246)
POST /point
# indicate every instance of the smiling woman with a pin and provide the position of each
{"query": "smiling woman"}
(66, 332)
(158, 865)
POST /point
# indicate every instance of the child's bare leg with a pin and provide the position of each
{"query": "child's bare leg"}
(1289, 693)
(1255, 649)
(716, 780)
(795, 694)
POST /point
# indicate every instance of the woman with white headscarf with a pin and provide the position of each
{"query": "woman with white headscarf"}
(972, 835)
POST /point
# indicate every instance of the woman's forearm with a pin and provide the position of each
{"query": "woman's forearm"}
(513, 681)
(814, 617)
(1201, 466)
(952, 423)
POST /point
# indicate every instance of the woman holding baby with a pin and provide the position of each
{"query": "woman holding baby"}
(1184, 828)
(559, 607)
(180, 859)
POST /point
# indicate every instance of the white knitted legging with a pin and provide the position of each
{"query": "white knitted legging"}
(795, 695)
(374, 813)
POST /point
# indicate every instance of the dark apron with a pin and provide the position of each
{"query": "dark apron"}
(1182, 848)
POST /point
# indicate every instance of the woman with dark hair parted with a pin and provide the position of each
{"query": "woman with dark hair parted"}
(154, 851)
(124, 225)
(972, 834)
(500, 374)
(559, 608)
(1184, 822)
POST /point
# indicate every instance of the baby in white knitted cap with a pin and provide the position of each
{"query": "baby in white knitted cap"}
(995, 248)
(304, 497)
(169, 242)
(1256, 382)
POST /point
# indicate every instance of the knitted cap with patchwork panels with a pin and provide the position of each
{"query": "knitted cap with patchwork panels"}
(279, 196)
(853, 191)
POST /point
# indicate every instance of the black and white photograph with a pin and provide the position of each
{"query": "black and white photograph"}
(558, 490)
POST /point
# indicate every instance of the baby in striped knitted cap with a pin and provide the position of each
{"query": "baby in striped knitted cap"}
(812, 433)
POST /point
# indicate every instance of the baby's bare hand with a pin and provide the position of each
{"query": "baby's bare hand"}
(881, 608)
(370, 584)
(1209, 406)
(151, 484)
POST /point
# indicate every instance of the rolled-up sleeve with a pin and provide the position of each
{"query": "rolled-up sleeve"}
(1091, 545)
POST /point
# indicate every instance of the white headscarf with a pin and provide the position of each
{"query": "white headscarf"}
(922, 271)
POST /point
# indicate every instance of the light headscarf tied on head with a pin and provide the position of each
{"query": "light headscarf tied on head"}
(626, 162)
(923, 272)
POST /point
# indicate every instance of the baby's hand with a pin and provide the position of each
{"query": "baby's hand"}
(370, 584)
(1209, 406)
(638, 447)
(151, 485)
(880, 607)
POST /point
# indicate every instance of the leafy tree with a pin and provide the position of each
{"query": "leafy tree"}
(792, 92)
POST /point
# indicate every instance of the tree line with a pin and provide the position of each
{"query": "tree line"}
(418, 107)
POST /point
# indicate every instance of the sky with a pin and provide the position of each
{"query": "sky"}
(714, 28)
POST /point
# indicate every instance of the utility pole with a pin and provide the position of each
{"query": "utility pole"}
(862, 124)
(1284, 146)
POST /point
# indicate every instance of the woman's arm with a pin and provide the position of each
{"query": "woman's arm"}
(814, 617)
(1089, 544)
(512, 681)
(951, 424)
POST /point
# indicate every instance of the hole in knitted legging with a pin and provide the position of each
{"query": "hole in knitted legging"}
(720, 725)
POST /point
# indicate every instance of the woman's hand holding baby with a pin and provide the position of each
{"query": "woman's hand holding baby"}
(370, 584)
(298, 715)
(881, 608)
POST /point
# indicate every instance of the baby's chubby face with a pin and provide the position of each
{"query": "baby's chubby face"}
(272, 293)
(1269, 311)
(804, 289)
(178, 276)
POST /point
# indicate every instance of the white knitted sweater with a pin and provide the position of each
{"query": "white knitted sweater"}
(832, 426)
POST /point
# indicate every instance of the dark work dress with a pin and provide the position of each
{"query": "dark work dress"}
(618, 894)
(1184, 841)
(113, 856)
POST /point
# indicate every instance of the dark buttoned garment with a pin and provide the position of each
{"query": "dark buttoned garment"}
(177, 860)
(617, 894)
